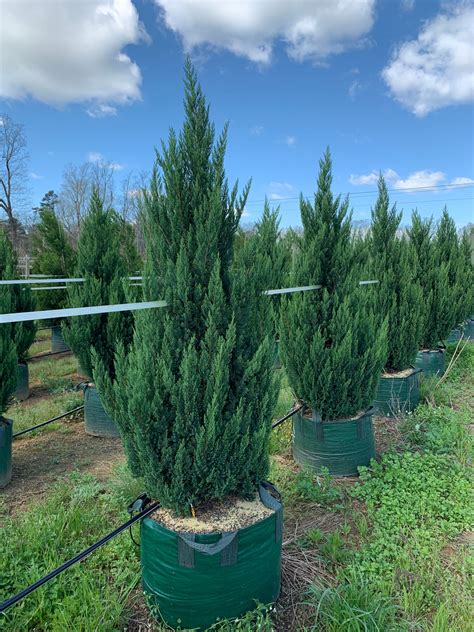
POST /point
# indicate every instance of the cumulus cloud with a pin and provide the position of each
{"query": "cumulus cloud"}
(309, 30)
(63, 52)
(436, 69)
(279, 190)
(462, 180)
(424, 179)
(101, 110)
(98, 159)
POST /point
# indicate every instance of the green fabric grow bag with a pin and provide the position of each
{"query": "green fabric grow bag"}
(22, 391)
(341, 446)
(58, 344)
(192, 580)
(398, 395)
(5, 451)
(97, 421)
(431, 362)
(469, 329)
(455, 335)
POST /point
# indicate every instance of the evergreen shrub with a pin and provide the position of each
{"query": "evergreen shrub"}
(400, 296)
(194, 395)
(103, 265)
(333, 341)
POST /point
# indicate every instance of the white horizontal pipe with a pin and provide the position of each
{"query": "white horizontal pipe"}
(35, 281)
(78, 311)
(125, 307)
(289, 290)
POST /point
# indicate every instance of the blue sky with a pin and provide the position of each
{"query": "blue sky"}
(388, 85)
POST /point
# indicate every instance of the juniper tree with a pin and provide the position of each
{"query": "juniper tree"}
(21, 298)
(466, 277)
(8, 363)
(52, 253)
(438, 308)
(103, 265)
(399, 294)
(333, 342)
(266, 258)
(194, 396)
(447, 250)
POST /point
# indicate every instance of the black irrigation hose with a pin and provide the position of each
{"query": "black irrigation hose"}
(77, 558)
(292, 412)
(126, 525)
(45, 423)
(46, 355)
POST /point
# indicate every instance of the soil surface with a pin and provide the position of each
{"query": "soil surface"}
(39, 461)
(229, 515)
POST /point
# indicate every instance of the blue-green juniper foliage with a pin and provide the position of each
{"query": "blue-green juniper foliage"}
(194, 396)
(333, 341)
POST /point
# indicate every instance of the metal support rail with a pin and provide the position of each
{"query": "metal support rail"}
(108, 309)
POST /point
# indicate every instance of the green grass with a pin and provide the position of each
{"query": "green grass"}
(57, 383)
(396, 552)
(25, 416)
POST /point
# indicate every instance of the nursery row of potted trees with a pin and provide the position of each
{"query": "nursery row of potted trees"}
(191, 388)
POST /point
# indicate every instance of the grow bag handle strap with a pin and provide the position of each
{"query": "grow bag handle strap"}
(227, 546)
(268, 498)
(318, 425)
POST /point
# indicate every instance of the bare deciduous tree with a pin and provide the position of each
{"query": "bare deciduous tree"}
(13, 172)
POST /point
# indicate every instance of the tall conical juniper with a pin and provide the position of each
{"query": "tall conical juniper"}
(8, 357)
(447, 249)
(103, 264)
(52, 254)
(399, 294)
(21, 298)
(266, 258)
(333, 342)
(439, 311)
(194, 395)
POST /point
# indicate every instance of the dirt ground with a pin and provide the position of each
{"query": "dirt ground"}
(40, 461)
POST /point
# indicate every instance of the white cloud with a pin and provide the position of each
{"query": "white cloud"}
(35, 176)
(354, 88)
(63, 52)
(462, 180)
(257, 130)
(115, 166)
(418, 179)
(290, 140)
(98, 159)
(249, 28)
(95, 156)
(101, 110)
(437, 69)
(408, 5)
(279, 190)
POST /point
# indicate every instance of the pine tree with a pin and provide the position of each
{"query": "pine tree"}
(52, 253)
(333, 342)
(103, 265)
(399, 294)
(194, 396)
(433, 275)
(266, 258)
(21, 299)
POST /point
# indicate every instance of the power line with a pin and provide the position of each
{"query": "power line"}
(375, 192)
